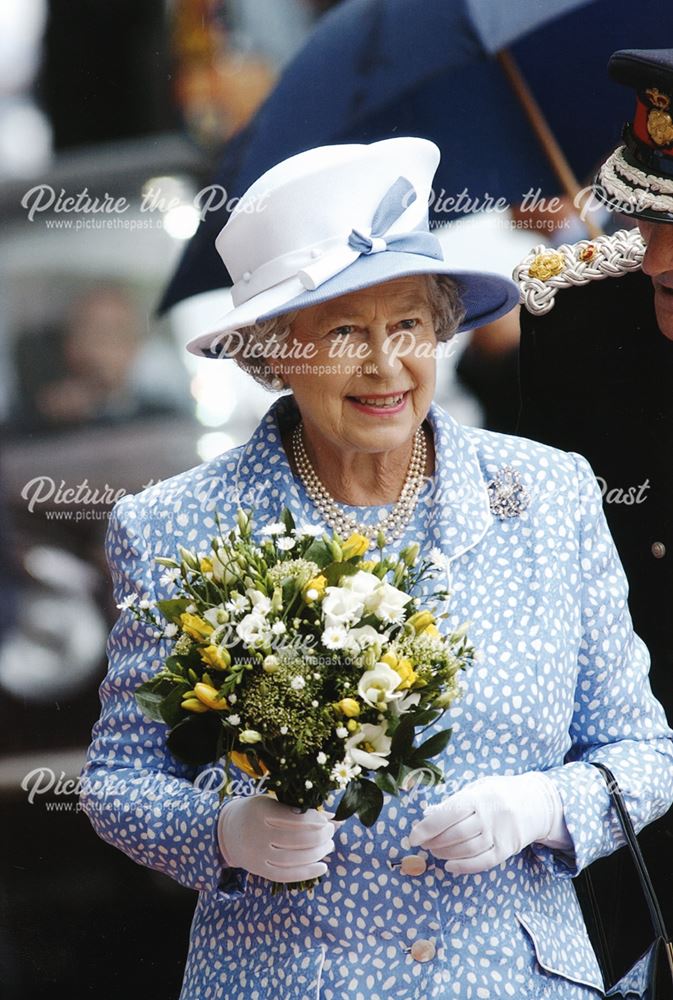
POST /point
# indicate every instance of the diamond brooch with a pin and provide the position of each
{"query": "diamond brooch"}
(508, 496)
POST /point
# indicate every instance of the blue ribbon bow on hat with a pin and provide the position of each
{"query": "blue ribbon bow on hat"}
(395, 201)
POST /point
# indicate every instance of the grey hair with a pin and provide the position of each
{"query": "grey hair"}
(445, 306)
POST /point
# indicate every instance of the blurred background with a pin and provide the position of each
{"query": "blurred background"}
(127, 130)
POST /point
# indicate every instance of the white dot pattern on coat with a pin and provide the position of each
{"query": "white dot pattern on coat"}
(560, 679)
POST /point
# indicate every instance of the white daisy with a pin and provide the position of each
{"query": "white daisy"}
(312, 530)
(237, 603)
(335, 637)
(342, 773)
(169, 576)
(274, 528)
(285, 544)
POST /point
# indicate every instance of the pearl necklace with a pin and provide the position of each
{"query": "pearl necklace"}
(393, 523)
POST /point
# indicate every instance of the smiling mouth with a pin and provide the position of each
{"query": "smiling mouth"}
(381, 402)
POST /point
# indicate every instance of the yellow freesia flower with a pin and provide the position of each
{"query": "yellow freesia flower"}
(206, 564)
(421, 619)
(355, 545)
(194, 705)
(406, 671)
(243, 763)
(348, 707)
(194, 626)
(367, 565)
(431, 630)
(209, 696)
(216, 656)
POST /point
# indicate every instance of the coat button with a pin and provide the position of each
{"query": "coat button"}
(413, 864)
(658, 550)
(423, 950)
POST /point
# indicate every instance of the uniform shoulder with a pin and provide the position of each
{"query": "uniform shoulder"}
(545, 271)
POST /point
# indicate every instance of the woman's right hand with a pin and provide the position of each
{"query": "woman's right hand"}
(273, 840)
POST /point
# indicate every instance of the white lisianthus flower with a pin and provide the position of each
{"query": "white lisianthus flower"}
(234, 720)
(298, 683)
(377, 686)
(261, 604)
(252, 628)
(224, 571)
(285, 544)
(279, 628)
(404, 704)
(334, 637)
(341, 606)
(369, 747)
(322, 757)
(341, 732)
(387, 602)
(171, 630)
(362, 583)
(274, 528)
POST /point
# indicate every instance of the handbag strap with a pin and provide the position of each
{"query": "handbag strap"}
(653, 906)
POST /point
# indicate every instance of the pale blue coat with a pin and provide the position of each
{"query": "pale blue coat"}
(561, 679)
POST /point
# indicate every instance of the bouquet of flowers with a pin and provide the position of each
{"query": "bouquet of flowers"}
(306, 662)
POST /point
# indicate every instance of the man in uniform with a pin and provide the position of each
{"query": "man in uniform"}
(596, 369)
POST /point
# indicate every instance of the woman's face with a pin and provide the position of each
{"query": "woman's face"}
(366, 376)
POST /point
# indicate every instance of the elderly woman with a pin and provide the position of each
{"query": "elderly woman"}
(342, 296)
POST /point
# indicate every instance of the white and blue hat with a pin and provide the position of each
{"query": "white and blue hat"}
(335, 219)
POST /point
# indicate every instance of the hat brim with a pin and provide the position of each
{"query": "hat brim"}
(625, 194)
(485, 297)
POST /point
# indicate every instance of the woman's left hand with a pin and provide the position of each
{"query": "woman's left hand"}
(491, 819)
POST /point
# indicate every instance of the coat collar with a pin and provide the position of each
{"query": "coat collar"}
(460, 514)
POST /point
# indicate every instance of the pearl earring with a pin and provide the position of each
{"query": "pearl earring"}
(277, 382)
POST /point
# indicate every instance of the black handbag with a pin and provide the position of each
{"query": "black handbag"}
(651, 976)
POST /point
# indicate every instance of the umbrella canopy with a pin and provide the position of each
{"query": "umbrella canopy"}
(377, 68)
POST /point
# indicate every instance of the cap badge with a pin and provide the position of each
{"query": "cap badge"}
(659, 121)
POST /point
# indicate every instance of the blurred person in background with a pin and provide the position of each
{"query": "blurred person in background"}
(102, 372)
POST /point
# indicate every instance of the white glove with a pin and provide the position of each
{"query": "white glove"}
(491, 819)
(263, 836)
